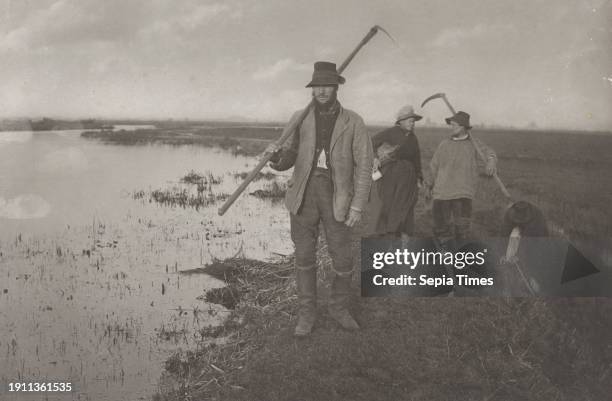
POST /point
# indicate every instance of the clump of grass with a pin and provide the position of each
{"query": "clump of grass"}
(192, 178)
(228, 328)
(195, 178)
(274, 191)
(171, 197)
(226, 296)
(213, 363)
(181, 197)
(168, 334)
(244, 277)
(259, 176)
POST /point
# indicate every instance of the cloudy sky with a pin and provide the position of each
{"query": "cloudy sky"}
(506, 62)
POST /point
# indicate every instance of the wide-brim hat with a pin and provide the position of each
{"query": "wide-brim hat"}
(462, 118)
(324, 74)
(405, 113)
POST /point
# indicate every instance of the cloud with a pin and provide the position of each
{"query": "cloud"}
(377, 95)
(380, 83)
(278, 68)
(324, 52)
(69, 22)
(269, 108)
(181, 19)
(458, 36)
(202, 14)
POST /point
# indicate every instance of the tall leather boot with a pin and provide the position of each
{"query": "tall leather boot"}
(339, 300)
(306, 280)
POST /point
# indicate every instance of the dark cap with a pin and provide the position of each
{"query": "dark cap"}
(462, 118)
(324, 74)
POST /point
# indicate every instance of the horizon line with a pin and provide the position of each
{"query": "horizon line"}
(240, 119)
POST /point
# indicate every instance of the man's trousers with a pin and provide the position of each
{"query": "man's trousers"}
(452, 218)
(317, 207)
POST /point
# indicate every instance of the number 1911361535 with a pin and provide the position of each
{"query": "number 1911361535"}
(39, 387)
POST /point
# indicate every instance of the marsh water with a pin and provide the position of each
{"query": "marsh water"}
(90, 285)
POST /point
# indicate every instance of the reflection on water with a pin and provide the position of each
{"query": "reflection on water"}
(71, 159)
(89, 283)
(25, 206)
(7, 137)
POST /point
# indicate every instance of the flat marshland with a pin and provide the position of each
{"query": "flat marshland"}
(124, 283)
(563, 172)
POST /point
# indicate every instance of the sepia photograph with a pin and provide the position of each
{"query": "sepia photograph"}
(328, 200)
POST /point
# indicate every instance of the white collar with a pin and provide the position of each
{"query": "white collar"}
(460, 137)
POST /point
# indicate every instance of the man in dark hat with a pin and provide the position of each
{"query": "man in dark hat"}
(454, 178)
(331, 153)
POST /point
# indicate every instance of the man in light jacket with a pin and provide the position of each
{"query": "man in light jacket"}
(331, 153)
(454, 173)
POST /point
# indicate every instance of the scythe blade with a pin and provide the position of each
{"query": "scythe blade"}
(432, 97)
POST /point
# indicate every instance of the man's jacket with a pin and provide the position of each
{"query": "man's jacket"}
(350, 161)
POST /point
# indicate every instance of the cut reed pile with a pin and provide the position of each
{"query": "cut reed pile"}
(256, 293)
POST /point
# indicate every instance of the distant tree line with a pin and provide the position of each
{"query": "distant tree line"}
(49, 124)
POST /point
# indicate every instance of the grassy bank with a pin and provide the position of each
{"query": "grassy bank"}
(239, 141)
(408, 348)
(413, 349)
